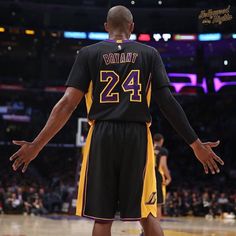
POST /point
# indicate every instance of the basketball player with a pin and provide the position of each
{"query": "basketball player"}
(117, 77)
(163, 176)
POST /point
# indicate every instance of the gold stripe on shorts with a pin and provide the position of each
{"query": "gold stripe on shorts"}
(83, 175)
(149, 195)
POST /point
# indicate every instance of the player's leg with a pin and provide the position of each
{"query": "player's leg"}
(159, 212)
(102, 228)
(151, 226)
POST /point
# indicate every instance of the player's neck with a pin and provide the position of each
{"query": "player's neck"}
(118, 36)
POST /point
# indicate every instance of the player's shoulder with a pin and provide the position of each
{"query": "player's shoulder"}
(95, 45)
(144, 47)
(164, 151)
(90, 47)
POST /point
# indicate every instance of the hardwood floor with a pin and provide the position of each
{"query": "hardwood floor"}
(13, 225)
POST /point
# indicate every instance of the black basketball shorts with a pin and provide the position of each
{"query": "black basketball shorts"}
(118, 167)
(161, 189)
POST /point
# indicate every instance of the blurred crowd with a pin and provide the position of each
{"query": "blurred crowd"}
(41, 200)
(35, 200)
(208, 203)
(47, 187)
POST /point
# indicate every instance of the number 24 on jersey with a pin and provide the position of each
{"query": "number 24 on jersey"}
(131, 85)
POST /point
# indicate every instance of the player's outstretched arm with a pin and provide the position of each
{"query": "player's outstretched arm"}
(176, 116)
(60, 114)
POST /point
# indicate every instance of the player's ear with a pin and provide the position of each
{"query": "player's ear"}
(106, 27)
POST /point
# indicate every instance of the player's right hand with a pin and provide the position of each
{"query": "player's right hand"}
(27, 152)
(205, 154)
(166, 181)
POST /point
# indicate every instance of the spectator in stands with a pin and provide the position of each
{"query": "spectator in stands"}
(223, 202)
(13, 204)
(196, 204)
(37, 206)
(186, 203)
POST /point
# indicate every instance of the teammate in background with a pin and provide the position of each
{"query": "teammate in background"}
(163, 176)
(118, 76)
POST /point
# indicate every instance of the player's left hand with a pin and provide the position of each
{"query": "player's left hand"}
(27, 152)
(205, 154)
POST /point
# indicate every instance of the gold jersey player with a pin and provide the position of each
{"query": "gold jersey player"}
(117, 76)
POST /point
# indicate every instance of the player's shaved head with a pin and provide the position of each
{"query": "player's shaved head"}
(119, 19)
(119, 16)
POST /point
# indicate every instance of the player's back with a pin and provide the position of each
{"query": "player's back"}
(117, 79)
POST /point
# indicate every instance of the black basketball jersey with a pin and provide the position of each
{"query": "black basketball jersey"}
(159, 152)
(117, 78)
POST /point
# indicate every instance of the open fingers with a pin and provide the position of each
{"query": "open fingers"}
(212, 144)
(218, 159)
(215, 166)
(205, 168)
(20, 143)
(25, 167)
(17, 163)
(15, 155)
(211, 167)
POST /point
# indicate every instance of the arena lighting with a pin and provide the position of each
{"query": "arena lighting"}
(209, 37)
(234, 36)
(29, 32)
(218, 84)
(225, 74)
(11, 87)
(157, 37)
(98, 35)
(166, 37)
(186, 37)
(2, 29)
(192, 81)
(75, 35)
(54, 34)
(144, 37)
(133, 37)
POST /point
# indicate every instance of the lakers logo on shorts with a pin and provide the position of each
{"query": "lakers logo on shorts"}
(152, 199)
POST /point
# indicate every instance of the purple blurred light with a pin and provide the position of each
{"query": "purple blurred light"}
(204, 85)
(225, 74)
(218, 84)
(192, 83)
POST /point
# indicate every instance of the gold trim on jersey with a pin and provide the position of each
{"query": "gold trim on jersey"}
(83, 175)
(149, 91)
(149, 195)
(89, 97)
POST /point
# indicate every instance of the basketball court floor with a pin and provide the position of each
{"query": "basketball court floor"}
(12, 225)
